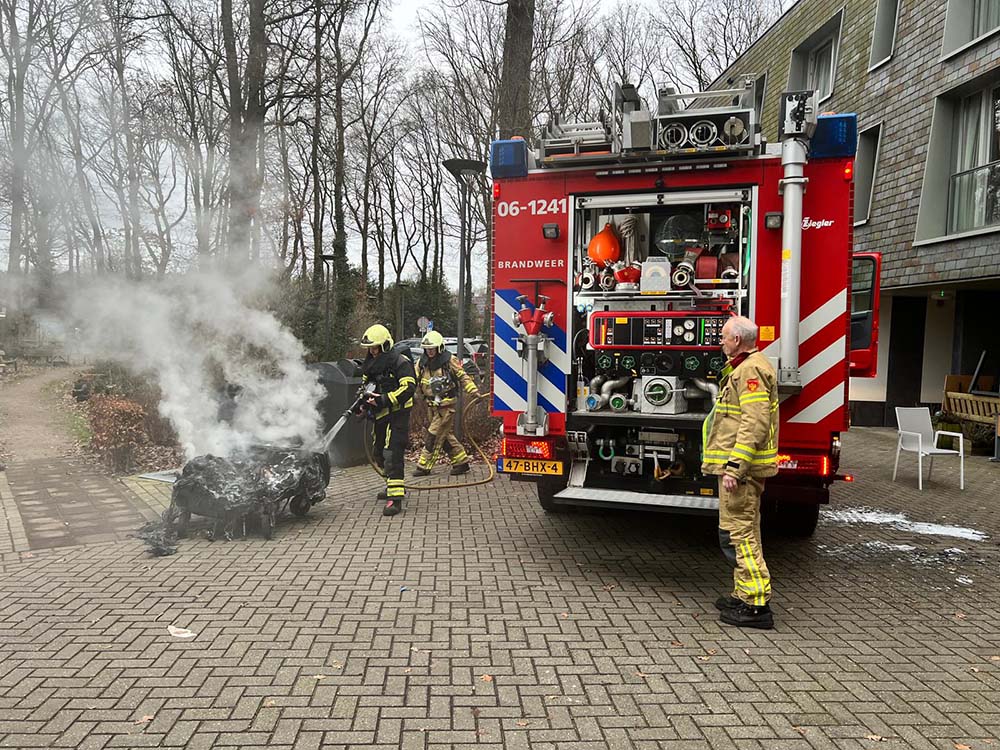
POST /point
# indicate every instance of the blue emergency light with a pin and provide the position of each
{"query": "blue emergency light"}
(836, 135)
(509, 158)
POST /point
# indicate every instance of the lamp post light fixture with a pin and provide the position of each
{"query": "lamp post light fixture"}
(464, 171)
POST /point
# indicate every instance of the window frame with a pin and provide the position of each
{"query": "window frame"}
(802, 55)
(879, 29)
(760, 94)
(811, 66)
(958, 29)
(874, 177)
(934, 222)
(987, 137)
(982, 32)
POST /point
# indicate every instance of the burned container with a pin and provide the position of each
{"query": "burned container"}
(255, 486)
(341, 381)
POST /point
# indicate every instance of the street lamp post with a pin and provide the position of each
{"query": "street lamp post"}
(327, 259)
(401, 295)
(462, 170)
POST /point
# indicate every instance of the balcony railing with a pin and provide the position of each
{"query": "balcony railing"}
(974, 199)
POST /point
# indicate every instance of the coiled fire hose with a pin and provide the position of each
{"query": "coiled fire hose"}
(452, 485)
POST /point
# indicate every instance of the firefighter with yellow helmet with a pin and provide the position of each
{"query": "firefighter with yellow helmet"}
(389, 405)
(440, 375)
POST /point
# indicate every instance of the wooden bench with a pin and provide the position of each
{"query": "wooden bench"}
(967, 406)
(971, 408)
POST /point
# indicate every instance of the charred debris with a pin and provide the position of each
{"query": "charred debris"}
(240, 493)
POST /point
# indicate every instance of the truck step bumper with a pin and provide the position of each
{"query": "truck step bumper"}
(600, 497)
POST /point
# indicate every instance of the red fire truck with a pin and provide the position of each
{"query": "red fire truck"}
(620, 248)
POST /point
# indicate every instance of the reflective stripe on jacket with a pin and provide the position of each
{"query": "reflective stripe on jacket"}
(393, 375)
(740, 434)
(451, 368)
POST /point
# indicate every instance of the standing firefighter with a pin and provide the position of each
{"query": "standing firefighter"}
(389, 405)
(440, 375)
(740, 444)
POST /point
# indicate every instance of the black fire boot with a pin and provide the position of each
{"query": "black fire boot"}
(727, 601)
(393, 506)
(459, 469)
(748, 616)
(420, 471)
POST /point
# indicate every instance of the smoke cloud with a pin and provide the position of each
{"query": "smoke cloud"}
(192, 334)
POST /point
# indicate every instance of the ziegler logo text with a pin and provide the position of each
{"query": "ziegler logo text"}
(810, 223)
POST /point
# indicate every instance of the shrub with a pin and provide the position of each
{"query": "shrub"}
(111, 378)
(980, 435)
(117, 431)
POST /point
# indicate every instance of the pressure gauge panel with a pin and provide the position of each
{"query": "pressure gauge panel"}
(655, 330)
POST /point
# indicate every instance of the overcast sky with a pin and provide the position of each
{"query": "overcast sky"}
(403, 16)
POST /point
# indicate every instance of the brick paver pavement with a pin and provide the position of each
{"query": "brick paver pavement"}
(475, 620)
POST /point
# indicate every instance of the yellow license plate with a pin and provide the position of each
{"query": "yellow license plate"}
(531, 466)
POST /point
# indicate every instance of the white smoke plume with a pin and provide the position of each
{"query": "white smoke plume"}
(192, 332)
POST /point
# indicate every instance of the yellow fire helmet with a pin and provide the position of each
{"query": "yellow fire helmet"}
(432, 340)
(377, 335)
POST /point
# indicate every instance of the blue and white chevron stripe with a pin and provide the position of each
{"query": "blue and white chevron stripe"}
(510, 384)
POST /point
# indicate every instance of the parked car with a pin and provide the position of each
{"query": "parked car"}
(410, 348)
(475, 359)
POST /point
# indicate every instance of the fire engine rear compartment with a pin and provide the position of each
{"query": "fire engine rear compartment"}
(646, 358)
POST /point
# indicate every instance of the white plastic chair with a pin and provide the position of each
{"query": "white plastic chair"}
(916, 435)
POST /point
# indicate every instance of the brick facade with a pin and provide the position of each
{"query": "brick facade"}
(901, 95)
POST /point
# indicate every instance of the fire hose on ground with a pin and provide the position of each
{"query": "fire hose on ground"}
(451, 485)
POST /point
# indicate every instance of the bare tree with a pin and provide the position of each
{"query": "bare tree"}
(197, 120)
(707, 37)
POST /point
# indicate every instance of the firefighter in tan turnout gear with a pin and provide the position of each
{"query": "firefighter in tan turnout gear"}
(740, 446)
(439, 376)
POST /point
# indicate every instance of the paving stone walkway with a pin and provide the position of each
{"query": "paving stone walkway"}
(475, 620)
(52, 497)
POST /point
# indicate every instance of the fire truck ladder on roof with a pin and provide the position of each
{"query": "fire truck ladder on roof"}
(716, 123)
(575, 138)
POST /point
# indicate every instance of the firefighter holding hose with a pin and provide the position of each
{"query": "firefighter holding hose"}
(440, 375)
(389, 405)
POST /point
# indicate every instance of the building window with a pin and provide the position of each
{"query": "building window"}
(985, 17)
(820, 76)
(968, 22)
(760, 86)
(974, 187)
(884, 33)
(865, 168)
(814, 61)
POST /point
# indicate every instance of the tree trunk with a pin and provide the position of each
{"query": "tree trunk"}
(514, 114)
(18, 202)
(317, 218)
(246, 122)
